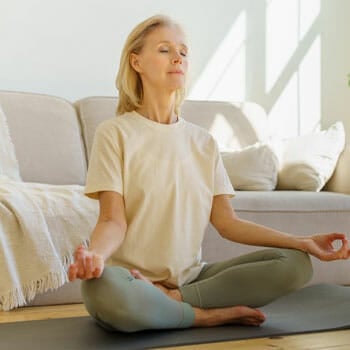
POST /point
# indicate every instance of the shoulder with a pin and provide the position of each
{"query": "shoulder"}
(111, 125)
(196, 129)
(200, 134)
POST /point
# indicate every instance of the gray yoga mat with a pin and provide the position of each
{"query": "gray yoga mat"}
(311, 309)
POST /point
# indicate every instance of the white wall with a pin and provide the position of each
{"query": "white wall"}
(71, 48)
(291, 59)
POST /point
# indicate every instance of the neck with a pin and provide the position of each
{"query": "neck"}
(159, 108)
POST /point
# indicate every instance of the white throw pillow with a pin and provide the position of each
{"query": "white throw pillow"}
(8, 162)
(253, 168)
(309, 161)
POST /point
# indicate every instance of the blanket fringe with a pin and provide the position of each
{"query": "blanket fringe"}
(53, 280)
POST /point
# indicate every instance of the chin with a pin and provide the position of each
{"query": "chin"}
(177, 86)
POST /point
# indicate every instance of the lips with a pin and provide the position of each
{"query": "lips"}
(176, 72)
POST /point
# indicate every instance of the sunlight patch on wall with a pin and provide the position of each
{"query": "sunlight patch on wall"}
(297, 109)
(282, 117)
(310, 89)
(223, 78)
(281, 37)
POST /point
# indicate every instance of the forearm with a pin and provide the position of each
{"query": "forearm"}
(225, 220)
(250, 233)
(106, 238)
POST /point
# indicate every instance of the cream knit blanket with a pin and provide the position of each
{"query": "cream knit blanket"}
(40, 227)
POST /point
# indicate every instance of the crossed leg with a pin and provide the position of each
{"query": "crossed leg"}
(253, 279)
(226, 292)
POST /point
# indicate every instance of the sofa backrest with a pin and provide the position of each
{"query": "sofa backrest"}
(233, 125)
(92, 111)
(47, 137)
(53, 137)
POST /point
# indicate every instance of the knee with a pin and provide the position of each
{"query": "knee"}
(97, 292)
(296, 268)
(107, 299)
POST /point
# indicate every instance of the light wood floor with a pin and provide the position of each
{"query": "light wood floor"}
(339, 340)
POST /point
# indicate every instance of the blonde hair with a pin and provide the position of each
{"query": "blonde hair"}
(128, 81)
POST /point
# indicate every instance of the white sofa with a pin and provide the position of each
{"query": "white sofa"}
(53, 138)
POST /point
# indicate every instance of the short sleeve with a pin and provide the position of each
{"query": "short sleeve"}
(105, 164)
(222, 183)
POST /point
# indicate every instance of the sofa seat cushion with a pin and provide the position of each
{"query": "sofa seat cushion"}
(291, 201)
(299, 212)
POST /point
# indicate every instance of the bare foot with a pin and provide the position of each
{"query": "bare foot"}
(243, 315)
(171, 293)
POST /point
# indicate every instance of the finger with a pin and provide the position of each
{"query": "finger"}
(138, 275)
(78, 251)
(97, 272)
(80, 261)
(80, 268)
(78, 254)
(340, 253)
(344, 250)
(135, 272)
(72, 272)
(99, 265)
(334, 236)
(88, 267)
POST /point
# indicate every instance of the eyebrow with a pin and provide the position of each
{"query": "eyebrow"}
(169, 42)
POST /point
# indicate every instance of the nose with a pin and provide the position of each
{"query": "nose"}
(177, 58)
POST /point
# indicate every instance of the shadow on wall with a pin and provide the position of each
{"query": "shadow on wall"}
(235, 127)
(270, 55)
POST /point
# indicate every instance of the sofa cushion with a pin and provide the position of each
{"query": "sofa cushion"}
(308, 161)
(253, 168)
(8, 161)
(46, 132)
(339, 182)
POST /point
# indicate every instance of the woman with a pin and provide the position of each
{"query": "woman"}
(159, 181)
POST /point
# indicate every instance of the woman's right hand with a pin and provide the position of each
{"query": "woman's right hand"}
(87, 265)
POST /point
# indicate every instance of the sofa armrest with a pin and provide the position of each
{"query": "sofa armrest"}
(340, 180)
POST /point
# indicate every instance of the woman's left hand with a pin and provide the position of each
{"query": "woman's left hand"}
(321, 246)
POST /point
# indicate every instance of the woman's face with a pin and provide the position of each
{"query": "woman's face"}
(162, 62)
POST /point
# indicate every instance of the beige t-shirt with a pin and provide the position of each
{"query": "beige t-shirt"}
(168, 175)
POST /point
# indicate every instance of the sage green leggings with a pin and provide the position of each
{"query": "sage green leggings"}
(118, 301)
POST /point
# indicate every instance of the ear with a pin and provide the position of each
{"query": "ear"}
(135, 63)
